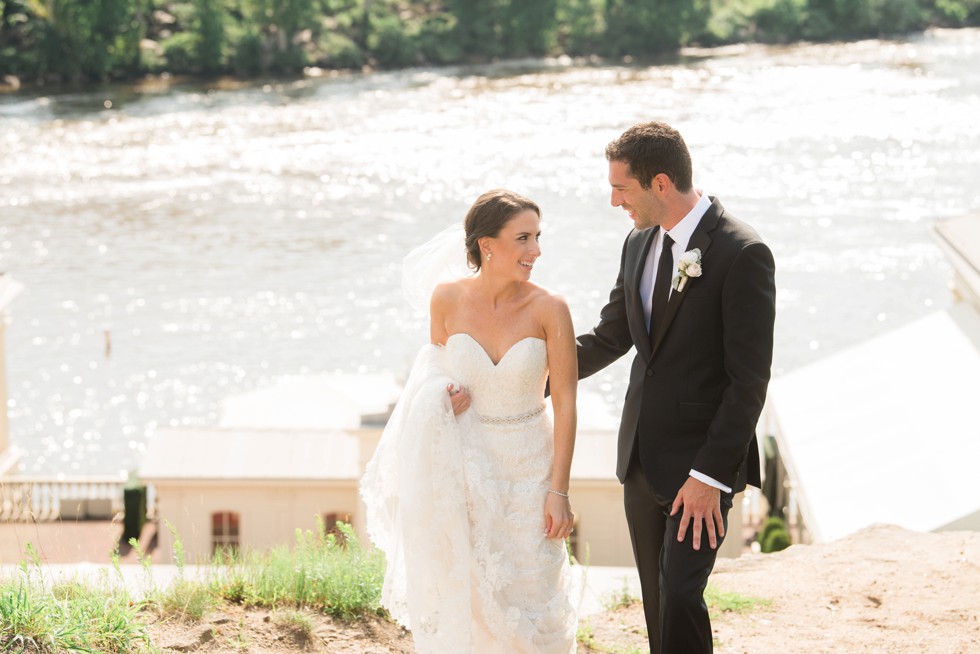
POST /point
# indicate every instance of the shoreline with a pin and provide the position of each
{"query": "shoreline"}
(163, 81)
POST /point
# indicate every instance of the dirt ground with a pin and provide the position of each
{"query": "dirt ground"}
(233, 629)
(881, 590)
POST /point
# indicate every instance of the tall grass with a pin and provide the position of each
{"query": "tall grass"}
(323, 571)
(67, 616)
(184, 598)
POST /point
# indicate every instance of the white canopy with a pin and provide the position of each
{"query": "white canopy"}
(887, 431)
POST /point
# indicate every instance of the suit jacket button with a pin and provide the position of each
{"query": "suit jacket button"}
(649, 373)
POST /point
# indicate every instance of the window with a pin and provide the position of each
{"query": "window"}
(330, 521)
(225, 532)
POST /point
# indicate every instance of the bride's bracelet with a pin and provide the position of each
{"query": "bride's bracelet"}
(559, 493)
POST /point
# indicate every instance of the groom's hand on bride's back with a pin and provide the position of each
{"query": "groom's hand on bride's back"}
(459, 397)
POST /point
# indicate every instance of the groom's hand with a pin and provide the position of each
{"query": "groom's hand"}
(702, 505)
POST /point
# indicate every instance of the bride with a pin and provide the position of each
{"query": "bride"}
(467, 492)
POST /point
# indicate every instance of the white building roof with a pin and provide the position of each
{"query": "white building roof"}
(325, 401)
(887, 431)
(241, 454)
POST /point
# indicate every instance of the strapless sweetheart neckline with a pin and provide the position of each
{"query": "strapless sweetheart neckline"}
(487, 354)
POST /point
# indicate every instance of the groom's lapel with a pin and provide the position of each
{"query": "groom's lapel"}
(702, 241)
(638, 323)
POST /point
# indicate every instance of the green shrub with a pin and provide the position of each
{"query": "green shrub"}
(774, 535)
(209, 25)
(390, 43)
(771, 524)
(338, 51)
(180, 51)
(777, 540)
(954, 13)
(435, 41)
(779, 21)
(581, 26)
(248, 58)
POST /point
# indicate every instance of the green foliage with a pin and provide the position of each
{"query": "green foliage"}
(94, 40)
(321, 572)
(779, 20)
(774, 536)
(390, 43)
(478, 27)
(720, 601)
(282, 26)
(528, 28)
(580, 26)
(435, 39)
(339, 51)
(771, 524)
(776, 541)
(644, 28)
(184, 600)
(956, 13)
(68, 616)
(180, 50)
(210, 52)
(89, 40)
(247, 58)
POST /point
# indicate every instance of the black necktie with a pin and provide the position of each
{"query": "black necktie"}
(661, 286)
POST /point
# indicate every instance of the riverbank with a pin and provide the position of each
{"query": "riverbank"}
(120, 39)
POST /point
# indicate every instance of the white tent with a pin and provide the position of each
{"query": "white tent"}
(887, 431)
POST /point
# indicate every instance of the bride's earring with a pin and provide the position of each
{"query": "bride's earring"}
(489, 255)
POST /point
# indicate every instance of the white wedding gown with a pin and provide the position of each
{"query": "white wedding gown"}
(457, 505)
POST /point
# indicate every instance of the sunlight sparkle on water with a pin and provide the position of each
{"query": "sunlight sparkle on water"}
(229, 238)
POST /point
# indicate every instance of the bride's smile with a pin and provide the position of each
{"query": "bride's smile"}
(517, 242)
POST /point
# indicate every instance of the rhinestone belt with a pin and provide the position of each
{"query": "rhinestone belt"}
(511, 420)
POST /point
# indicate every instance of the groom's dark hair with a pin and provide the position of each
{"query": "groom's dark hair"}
(649, 149)
(487, 217)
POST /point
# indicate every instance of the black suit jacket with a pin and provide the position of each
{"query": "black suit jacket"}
(697, 387)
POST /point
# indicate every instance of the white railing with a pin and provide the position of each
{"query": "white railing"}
(46, 499)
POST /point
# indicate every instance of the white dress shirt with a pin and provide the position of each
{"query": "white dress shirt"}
(681, 234)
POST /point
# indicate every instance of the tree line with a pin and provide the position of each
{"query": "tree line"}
(95, 40)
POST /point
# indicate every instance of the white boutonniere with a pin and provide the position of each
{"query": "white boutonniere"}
(689, 266)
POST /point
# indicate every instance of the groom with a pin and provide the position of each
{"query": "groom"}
(696, 297)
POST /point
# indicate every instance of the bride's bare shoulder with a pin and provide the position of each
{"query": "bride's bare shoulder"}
(547, 299)
(448, 292)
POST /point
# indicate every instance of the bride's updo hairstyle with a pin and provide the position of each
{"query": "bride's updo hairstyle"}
(487, 217)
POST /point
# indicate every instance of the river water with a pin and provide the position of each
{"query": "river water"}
(233, 236)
